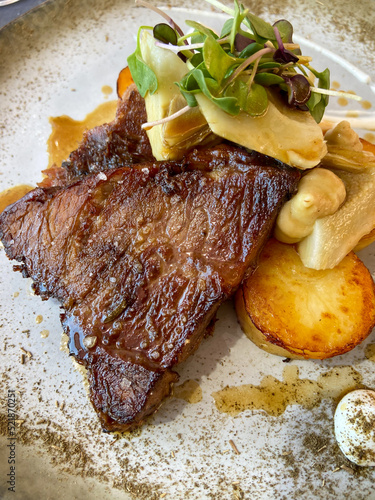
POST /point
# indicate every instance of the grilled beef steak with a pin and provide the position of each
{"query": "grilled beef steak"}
(121, 142)
(141, 258)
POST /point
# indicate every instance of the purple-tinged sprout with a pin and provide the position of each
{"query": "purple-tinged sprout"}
(299, 90)
(283, 26)
(241, 42)
(163, 14)
(282, 55)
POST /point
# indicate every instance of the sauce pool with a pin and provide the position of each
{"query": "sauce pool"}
(67, 133)
(13, 194)
(274, 396)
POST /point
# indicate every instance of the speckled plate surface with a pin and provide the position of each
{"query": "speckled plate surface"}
(56, 61)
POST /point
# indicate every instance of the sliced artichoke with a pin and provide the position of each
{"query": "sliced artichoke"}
(349, 160)
(172, 139)
(287, 134)
(345, 149)
(334, 236)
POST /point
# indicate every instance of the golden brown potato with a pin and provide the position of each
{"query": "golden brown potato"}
(290, 310)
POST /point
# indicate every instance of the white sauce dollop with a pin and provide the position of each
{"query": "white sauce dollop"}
(355, 427)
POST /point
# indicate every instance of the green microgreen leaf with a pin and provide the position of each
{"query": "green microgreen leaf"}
(239, 90)
(199, 80)
(228, 104)
(239, 16)
(323, 78)
(227, 28)
(189, 86)
(217, 61)
(189, 96)
(268, 65)
(257, 100)
(202, 29)
(285, 30)
(254, 100)
(198, 38)
(261, 29)
(143, 76)
(164, 33)
(312, 104)
(250, 50)
(317, 103)
(197, 59)
(268, 79)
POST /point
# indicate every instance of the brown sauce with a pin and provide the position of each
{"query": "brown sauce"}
(352, 114)
(107, 90)
(190, 391)
(13, 194)
(38, 319)
(273, 395)
(44, 334)
(67, 133)
(342, 101)
(366, 104)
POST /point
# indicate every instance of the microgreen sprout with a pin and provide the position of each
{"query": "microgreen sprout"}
(237, 69)
(178, 48)
(149, 125)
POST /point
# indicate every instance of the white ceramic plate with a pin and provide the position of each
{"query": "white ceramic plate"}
(55, 61)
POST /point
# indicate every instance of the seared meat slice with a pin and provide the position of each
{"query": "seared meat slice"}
(121, 142)
(141, 258)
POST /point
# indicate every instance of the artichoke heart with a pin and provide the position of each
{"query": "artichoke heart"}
(347, 159)
(334, 236)
(170, 140)
(289, 135)
(184, 131)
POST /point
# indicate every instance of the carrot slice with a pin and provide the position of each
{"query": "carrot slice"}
(123, 81)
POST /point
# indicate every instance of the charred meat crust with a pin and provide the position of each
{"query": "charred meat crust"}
(112, 145)
(124, 393)
(121, 142)
(141, 258)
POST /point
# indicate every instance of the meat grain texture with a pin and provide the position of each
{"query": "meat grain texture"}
(141, 257)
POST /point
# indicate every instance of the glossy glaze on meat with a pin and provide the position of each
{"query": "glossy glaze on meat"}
(141, 258)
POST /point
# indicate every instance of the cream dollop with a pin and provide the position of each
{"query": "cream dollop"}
(355, 427)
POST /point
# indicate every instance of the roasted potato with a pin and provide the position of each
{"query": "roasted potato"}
(290, 310)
